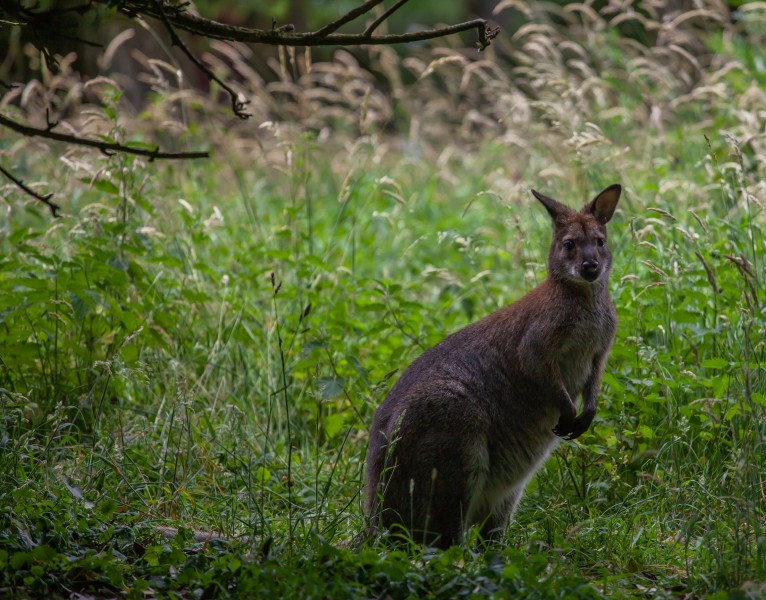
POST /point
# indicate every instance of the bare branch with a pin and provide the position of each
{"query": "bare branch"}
(105, 147)
(237, 105)
(349, 16)
(54, 208)
(376, 23)
(284, 36)
(175, 16)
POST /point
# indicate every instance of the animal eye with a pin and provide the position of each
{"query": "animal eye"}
(600, 242)
(569, 245)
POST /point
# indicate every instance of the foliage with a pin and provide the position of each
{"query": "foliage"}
(202, 346)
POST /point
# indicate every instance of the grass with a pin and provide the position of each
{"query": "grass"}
(202, 345)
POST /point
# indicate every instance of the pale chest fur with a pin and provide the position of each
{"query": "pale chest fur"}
(589, 335)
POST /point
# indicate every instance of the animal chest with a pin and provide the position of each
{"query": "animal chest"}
(587, 336)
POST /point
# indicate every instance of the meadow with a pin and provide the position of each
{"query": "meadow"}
(201, 345)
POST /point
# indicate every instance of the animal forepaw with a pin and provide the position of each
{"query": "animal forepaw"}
(564, 428)
(572, 429)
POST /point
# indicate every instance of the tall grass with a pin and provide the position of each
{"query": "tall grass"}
(203, 345)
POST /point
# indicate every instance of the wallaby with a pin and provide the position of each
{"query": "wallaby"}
(473, 418)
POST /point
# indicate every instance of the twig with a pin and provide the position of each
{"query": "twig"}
(54, 208)
(376, 23)
(107, 148)
(349, 16)
(237, 105)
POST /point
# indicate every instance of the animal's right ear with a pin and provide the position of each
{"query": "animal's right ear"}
(555, 209)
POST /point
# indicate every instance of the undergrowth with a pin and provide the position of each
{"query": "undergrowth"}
(202, 345)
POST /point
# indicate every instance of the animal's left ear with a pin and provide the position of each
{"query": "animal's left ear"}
(602, 206)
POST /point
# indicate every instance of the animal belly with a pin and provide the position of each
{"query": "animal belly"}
(509, 473)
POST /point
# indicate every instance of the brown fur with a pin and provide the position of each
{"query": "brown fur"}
(471, 420)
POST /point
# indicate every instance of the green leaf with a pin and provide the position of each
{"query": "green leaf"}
(354, 361)
(714, 363)
(19, 559)
(510, 571)
(107, 507)
(331, 387)
(333, 424)
(106, 186)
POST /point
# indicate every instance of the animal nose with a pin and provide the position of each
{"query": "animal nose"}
(590, 267)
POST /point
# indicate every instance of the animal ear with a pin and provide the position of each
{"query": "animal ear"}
(602, 206)
(555, 209)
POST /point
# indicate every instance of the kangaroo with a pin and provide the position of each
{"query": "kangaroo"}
(473, 418)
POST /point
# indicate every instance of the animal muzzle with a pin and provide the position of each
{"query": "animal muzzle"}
(590, 270)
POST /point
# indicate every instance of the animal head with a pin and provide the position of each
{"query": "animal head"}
(579, 250)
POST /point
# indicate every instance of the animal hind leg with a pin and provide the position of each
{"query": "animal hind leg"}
(494, 526)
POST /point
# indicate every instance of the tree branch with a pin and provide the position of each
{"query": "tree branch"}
(237, 105)
(284, 36)
(175, 16)
(54, 208)
(105, 147)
